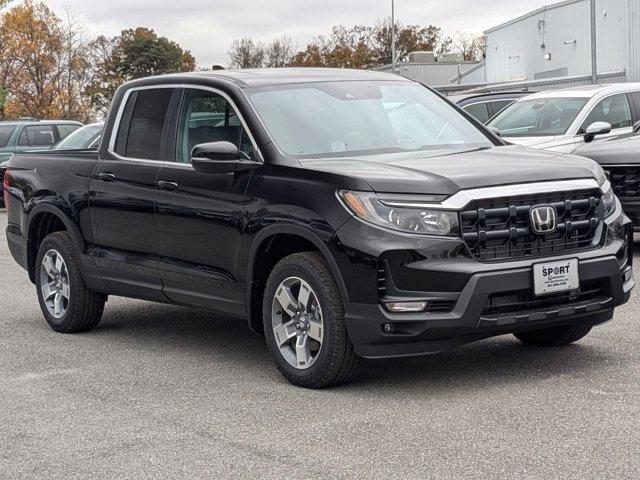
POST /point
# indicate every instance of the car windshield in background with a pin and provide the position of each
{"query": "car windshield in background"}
(538, 117)
(351, 118)
(82, 138)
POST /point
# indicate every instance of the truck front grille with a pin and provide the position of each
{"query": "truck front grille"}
(625, 181)
(500, 228)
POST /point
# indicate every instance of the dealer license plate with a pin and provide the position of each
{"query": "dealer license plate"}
(552, 277)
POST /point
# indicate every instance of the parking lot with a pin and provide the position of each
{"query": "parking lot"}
(165, 391)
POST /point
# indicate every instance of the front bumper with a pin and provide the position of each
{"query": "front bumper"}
(441, 272)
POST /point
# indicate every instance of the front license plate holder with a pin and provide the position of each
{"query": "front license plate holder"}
(556, 276)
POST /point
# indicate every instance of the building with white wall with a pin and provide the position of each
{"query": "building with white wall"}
(555, 41)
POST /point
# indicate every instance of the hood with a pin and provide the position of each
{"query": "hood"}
(616, 152)
(447, 173)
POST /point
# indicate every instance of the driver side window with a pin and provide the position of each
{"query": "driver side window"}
(614, 110)
(209, 117)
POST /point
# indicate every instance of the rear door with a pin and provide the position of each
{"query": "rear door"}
(200, 215)
(123, 195)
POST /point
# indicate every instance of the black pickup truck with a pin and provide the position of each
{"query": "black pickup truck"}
(343, 214)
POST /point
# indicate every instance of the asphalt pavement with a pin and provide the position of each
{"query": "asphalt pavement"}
(157, 391)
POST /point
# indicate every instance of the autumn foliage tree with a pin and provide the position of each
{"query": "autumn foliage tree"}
(362, 46)
(50, 69)
(31, 37)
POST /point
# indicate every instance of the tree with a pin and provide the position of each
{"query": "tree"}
(362, 46)
(344, 47)
(469, 45)
(31, 37)
(75, 62)
(135, 53)
(409, 38)
(280, 52)
(246, 53)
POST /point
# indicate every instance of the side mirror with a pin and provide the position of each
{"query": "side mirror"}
(636, 127)
(219, 157)
(596, 128)
(495, 131)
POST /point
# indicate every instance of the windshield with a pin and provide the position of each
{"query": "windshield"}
(82, 138)
(362, 118)
(538, 117)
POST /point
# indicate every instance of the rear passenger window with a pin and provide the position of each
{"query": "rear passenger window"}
(208, 117)
(499, 105)
(37, 136)
(5, 134)
(141, 136)
(479, 111)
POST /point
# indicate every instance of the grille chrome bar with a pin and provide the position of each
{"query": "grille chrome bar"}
(500, 228)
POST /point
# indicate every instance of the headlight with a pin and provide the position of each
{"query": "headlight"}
(411, 219)
(609, 201)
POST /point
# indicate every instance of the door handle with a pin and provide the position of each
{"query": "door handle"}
(167, 185)
(107, 177)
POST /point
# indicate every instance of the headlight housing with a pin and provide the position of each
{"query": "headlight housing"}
(608, 200)
(401, 216)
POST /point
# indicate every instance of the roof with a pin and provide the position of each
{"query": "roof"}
(587, 91)
(39, 122)
(488, 96)
(537, 11)
(278, 76)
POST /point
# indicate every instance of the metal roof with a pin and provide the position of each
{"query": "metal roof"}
(537, 11)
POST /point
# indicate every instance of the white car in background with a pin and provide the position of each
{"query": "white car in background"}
(562, 120)
(87, 137)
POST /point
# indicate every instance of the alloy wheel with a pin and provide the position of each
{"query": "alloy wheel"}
(54, 283)
(296, 318)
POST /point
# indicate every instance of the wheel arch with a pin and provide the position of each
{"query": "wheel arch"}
(43, 220)
(261, 245)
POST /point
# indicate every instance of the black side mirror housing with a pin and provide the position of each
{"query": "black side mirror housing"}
(219, 157)
(636, 127)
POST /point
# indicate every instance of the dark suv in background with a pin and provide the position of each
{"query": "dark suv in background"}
(342, 214)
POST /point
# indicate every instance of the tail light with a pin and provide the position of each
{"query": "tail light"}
(5, 186)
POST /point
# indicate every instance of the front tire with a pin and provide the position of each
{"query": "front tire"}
(66, 302)
(555, 336)
(303, 317)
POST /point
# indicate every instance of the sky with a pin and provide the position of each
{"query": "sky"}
(207, 27)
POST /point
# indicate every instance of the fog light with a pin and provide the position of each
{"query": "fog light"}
(405, 307)
(627, 274)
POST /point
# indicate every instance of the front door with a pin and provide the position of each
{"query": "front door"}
(123, 196)
(200, 215)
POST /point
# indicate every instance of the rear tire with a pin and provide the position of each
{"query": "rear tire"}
(317, 317)
(555, 336)
(66, 302)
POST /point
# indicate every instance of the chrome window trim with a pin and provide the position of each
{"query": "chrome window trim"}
(461, 199)
(123, 103)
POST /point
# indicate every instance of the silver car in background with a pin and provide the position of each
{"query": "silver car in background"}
(562, 120)
(87, 137)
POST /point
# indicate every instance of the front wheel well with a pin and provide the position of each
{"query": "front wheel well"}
(270, 251)
(41, 226)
